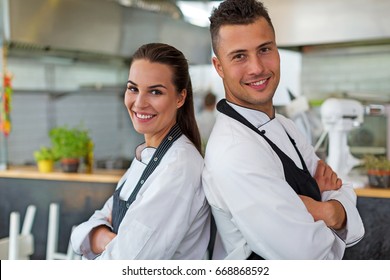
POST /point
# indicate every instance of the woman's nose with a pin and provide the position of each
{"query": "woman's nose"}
(141, 100)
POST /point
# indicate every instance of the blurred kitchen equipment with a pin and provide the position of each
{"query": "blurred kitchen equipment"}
(19, 245)
(296, 110)
(339, 116)
(371, 137)
(52, 252)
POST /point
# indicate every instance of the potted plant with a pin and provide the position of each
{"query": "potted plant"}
(45, 159)
(378, 171)
(69, 145)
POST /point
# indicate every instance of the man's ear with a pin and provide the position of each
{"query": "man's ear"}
(181, 98)
(218, 66)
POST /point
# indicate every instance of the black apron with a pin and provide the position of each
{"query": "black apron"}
(299, 180)
(120, 207)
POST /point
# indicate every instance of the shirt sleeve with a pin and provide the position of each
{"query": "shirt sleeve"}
(159, 219)
(80, 235)
(354, 230)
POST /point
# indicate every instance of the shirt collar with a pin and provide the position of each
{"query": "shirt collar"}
(144, 153)
(257, 118)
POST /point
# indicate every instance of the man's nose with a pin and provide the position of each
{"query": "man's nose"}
(256, 65)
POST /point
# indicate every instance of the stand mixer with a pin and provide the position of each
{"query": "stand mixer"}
(339, 116)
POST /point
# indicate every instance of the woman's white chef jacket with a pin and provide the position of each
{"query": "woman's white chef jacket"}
(169, 218)
(254, 207)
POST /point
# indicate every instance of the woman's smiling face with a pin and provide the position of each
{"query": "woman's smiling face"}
(152, 100)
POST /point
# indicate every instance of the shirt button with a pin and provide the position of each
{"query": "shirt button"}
(155, 159)
(142, 181)
(127, 205)
(170, 138)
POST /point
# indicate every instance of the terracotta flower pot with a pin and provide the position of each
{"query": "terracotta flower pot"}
(70, 165)
(379, 178)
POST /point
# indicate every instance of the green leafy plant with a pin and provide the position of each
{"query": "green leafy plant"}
(69, 142)
(372, 162)
(44, 153)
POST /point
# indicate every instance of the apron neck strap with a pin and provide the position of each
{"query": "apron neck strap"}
(164, 146)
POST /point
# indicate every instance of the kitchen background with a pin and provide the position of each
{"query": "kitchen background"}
(69, 60)
(60, 78)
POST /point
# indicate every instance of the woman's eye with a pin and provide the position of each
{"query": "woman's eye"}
(132, 89)
(156, 92)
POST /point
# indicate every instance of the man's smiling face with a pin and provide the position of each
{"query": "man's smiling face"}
(248, 62)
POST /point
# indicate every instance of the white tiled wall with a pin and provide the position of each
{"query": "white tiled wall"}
(360, 71)
(34, 111)
(29, 127)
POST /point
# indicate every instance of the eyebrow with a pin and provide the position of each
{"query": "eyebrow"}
(232, 53)
(151, 87)
(266, 44)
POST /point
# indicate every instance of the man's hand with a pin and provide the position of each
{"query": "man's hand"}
(331, 212)
(326, 178)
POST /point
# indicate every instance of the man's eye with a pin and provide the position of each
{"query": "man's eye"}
(265, 50)
(239, 56)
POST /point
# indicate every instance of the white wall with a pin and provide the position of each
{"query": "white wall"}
(35, 111)
(308, 22)
(362, 72)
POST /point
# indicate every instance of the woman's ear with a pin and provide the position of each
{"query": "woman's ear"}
(181, 98)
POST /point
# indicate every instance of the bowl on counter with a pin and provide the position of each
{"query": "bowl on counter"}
(113, 163)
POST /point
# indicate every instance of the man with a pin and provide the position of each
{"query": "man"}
(271, 196)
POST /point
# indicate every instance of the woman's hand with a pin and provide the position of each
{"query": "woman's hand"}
(99, 237)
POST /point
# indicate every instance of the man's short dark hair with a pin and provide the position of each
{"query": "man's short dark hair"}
(236, 12)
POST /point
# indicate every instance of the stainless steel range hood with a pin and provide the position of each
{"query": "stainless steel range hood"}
(321, 22)
(104, 27)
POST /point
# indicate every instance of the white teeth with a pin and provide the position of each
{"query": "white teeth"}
(144, 116)
(259, 83)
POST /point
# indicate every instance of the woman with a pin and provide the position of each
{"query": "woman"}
(158, 210)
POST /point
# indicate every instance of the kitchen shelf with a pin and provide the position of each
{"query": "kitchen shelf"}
(31, 172)
(82, 90)
(372, 192)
